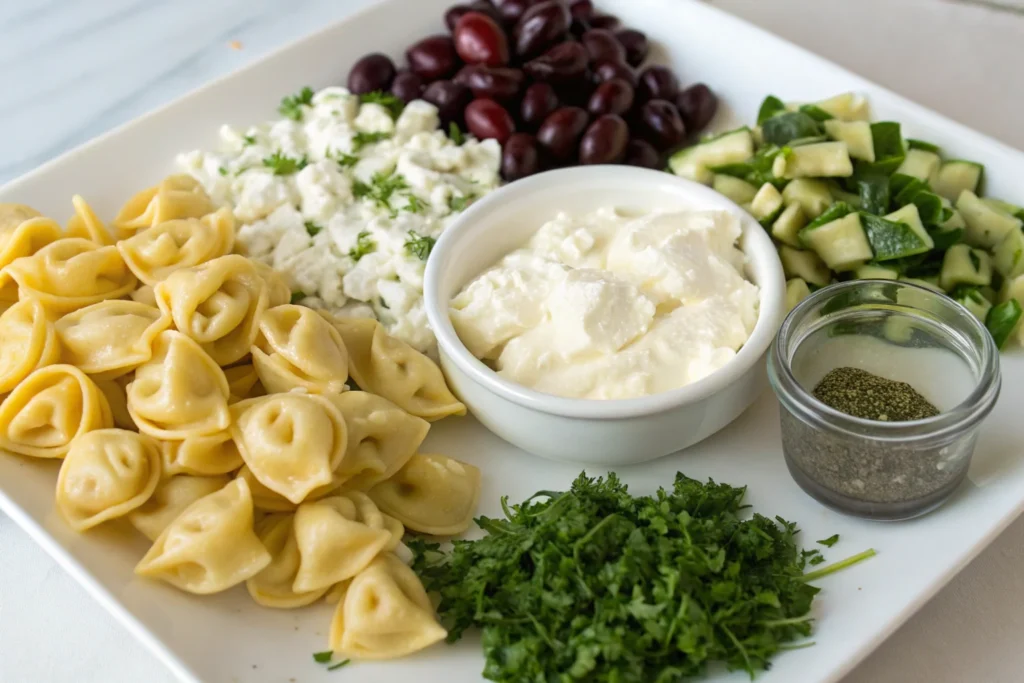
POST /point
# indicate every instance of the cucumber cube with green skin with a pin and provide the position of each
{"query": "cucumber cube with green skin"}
(1009, 208)
(964, 265)
(1008, 256)
(856, 135)
(870, 272)
(987, 225)
(847, 106)
(920, 164)
(786, 227)
(796, 291)
(729, 148)
(955, 176)
(955, 220)
(766, 204)
(842, 244)
(1013, 290)
(813, 196)
(891, 239)
(1003, 321)
(842, 196)
(805, 265)
(927, 282)
(736, 189)
(973, 301)
(794, 125)
(820, 160)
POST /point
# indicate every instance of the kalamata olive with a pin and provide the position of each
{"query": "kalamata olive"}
(561, 131)
(450, 98)
(433, 58)
(487, 119)
(488, 8)
(511, 10)
(563, 63)
(602, 45)
(641, 153)
(635, 44)
(372, 72)
(607, 21)
(611, 97)
(496, 83)
(519, 157)
(605, 141)
(661, 124)
(453, 14)
(480, 40)
(582, 9)
(697, 105)
(407, 86)
(540, 27)
(658, 83)
(605, 71)
(539, 100)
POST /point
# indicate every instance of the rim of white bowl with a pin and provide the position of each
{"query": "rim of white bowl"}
(756, 244)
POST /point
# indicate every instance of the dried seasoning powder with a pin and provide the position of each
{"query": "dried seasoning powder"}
(862, 394)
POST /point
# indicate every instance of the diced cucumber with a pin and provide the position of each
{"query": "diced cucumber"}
(1013, 290)
(841, 244)
(892, 240)
(963, 265)
(856, 135)
(796, 291)
(920, 164)
(913, 143)
(841, 195)
(729, 148)
(787, 226)
(1003, 320)
(847, 106)
(1009, 208)
(812, 196)
(766, 204)
(909, 216)
(805, 265)
(987, 225)
(736, 189)
(889, 151)
(758, 134)
(1007, 256)
(821, 160)
(794, 125)
(870, 272)
(989, 293)
(957, 175)
(955, 220)
(973, 301)
(928, 282)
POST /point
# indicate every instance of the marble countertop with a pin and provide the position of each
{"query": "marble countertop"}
(72, 70)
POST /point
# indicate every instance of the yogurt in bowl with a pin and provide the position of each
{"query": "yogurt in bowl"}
(652, 293)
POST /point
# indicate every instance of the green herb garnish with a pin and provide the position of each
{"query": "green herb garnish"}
(596, 584)
(386, 100)
(223, 171)
(323, 657)
(460, 203)
(291, 107)
(343, 160)
(360, 140)
(282, 164)
(296, 298)
(455, 134)
(340, 664)
(419, 245)
(248, 140)
(830, 541)
(364, 245)
(414, 204)
(381, 188)
(312, 228)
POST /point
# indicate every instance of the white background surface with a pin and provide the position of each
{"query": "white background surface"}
(71, 69)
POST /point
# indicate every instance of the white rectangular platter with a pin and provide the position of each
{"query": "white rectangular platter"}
(229, 638)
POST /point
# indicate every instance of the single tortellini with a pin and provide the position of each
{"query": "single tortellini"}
(432, 494)
(381, 438)
(278, 291)
(201, 455)
(218, 303)
(180, 392)
(155, 253)
(336, 541)
(169, 500)
(177, 196)
(243, 382)
(210, 546)
(49, 409)
(116, 392)
(265, 500)
(298, 349)
(391, 368)
(72, 273)
(384, 613)
(292, 443)
(144, 295)
(20, 238)
(106, 473)
(85, 223)
(272, 587)
(12, 215)
(110, 338)
(28, 341)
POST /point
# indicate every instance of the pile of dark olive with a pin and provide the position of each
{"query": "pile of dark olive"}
(553, 81)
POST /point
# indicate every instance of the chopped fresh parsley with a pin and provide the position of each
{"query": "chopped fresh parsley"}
(344, 160)
(364, 245)
(383, 304)
(386, 100)
(360, 140)
(297, 297)
(419, 245)
(816, 560)
(414, 204)
(340, 664)
(830, 541)
(455, 134)
(312, 228)
(460, 203)
(323, 657)
(381, 188)
(248, 140)
(291, 106)
(281, 164)
(223, 171)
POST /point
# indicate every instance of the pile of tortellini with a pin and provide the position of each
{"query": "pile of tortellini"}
(185, 394)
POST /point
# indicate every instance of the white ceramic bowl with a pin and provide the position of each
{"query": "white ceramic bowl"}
(614, 432)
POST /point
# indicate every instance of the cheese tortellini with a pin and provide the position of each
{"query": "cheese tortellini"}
(243, 382)
(218, 304)
(49, 409)
(432, 494)
(110, 338)
(116, 392)
(292, 442)
(391, 368)
(202, 455)
(107, 473)
(265, 500)
(210, 546)
(153, 254)
(384, 613)
(273, 587)
(169, 500)
(85, 223)
(178, 196)
(298, 349)
(28, 341)
(22, 234)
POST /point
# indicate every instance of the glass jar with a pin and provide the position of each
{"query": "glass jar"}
(903, 332)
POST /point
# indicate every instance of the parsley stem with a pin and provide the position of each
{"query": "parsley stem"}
(799, 646)
(739, 646)
(787, 622)
(836, 566)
